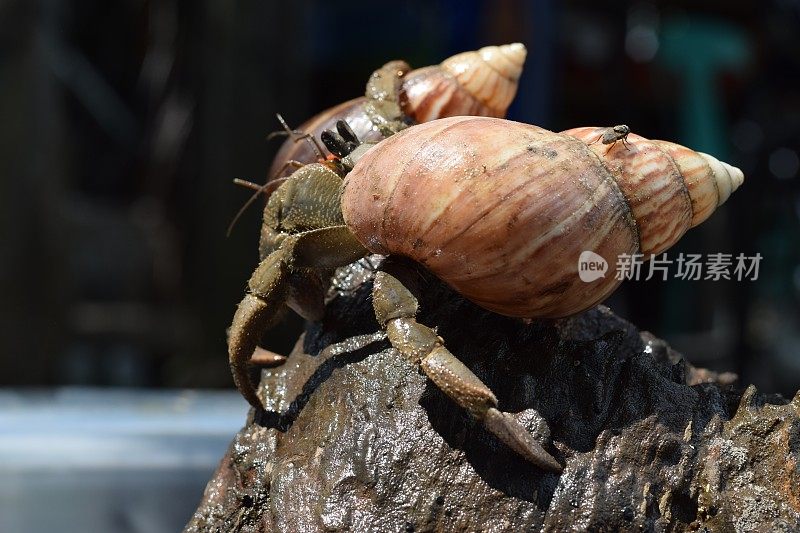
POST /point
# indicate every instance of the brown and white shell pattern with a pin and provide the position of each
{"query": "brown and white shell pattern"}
(479, 83)
(502, 210)
(666, 184)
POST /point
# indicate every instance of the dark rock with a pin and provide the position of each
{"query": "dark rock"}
(361, 441)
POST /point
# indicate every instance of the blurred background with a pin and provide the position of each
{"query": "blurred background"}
(124, 123)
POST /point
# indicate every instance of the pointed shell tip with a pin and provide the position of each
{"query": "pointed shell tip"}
(515, 50)
(737, 176)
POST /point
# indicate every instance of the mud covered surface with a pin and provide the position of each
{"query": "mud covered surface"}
(355, 439)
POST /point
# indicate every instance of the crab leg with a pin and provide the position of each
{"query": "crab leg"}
(267, 292)
(265, 358)
(396, 310)
(383, 98)
(270, 287)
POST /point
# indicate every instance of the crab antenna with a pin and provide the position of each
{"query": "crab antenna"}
(248, 184)
(267, 189)
(285, 130)
(297, 136)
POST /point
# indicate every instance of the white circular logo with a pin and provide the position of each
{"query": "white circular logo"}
(591, 266)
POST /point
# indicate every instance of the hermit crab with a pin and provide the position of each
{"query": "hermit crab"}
(499, 210)
(480, 82)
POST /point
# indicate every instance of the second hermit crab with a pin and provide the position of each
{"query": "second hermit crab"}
(498, 210)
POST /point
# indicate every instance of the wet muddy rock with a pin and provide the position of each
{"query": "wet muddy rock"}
(355, 439)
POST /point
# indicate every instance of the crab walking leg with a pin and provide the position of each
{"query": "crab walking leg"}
(396, 310)
(267, 292)
(283, 277)
(383, 98)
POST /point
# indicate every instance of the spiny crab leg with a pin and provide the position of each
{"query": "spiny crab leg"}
(396, 309)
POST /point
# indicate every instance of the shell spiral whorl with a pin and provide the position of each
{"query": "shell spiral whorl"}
(669, 187)
(480, 83)
(501, 210)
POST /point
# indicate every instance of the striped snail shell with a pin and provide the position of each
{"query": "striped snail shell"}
(501, 211)
(657, 178)
(482, 82)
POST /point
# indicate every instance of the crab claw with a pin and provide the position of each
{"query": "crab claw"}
(515, 436)
(265, 358)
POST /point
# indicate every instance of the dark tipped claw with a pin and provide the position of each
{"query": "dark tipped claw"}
(265, 358)
(512, 433)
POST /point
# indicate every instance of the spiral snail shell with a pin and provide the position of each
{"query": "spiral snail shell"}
(502, 210)
(657, 178)
(481, 82)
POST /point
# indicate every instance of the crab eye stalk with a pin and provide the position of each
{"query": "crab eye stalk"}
(347, 133)
(335, 143)
(341, 142)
